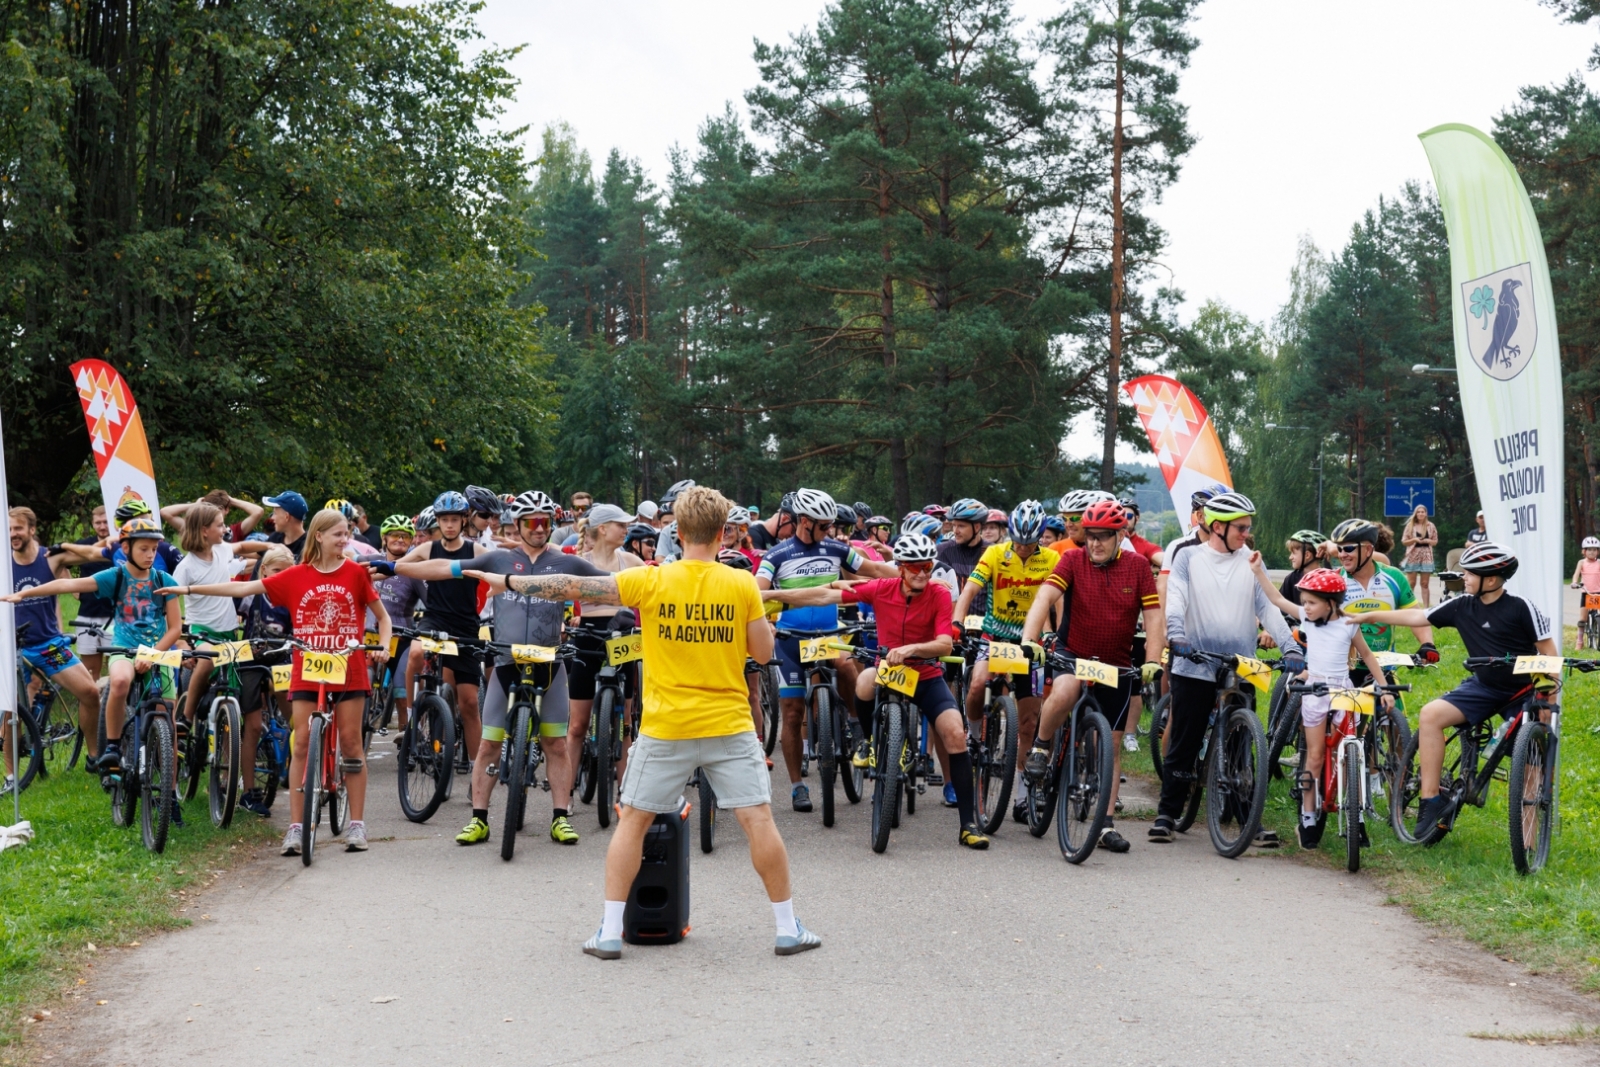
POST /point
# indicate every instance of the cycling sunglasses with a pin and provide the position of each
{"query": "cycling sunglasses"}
(925, 567)
(1349, 550)
(1072, 516)
(536, 520)
(1101, 535)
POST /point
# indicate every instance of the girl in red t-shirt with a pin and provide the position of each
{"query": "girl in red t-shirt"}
(327, 597)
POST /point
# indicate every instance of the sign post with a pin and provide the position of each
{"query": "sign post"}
(1402, 495)
(8, 650)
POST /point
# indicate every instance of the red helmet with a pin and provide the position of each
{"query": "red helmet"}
(1105, 515)
(998, 516)
(938, 511)
(1322, 580)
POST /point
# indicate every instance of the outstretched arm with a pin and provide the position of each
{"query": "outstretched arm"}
(60, 585)
(815, 596)
(1279, 601)
(601, 590)
(1412, 617)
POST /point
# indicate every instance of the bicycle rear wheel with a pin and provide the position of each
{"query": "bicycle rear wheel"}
(1385, 744)
(125, 784)
(1236, 782)
(607, 747)
(827, 756)
(426, 751)
(516, 779)
(30, 748)
(1084, 793)
(338, 793)
(1531, 796)
(848, 730)
(708, 811)
(158, 782)
(767, 693)
(890, 751)
(1042, 794)
(1158, 726)
(1353, 810)
(222, 779)
(193, 761)
(994, 766)
(1405, 793)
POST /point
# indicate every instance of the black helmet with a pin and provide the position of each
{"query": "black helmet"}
(482, 500)
(640, 531)
(787, 504)
(1354, 531)
(847, 515)
(862, 510)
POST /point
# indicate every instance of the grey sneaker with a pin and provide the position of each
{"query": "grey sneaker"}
(291, 842)
(603, 950)
(355, 838)
(788, 946)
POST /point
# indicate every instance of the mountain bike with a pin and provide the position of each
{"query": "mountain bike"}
(898, 756)
(610, 727)
(1349, 759)
(1589, 632)
(425, 757)
(1076, 785)
(148, 771)
(379, 710)
(1530, 736)
(221, 729)
(1285, 738)
(269, 768)
(832, 733)
(994, 750)
(1233, 755)
(60, 738)
(323, 783)
(521, 753)
(28, 763)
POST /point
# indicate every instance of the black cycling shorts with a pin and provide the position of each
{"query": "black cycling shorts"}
(583, 668)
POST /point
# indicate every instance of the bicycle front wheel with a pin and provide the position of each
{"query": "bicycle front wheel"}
(1353, 810)
(1405, 792)
(158, 782)
(826, 748)
(1158, 727)
(1385, 742)
(767, 686)
(995, 767)
(708, 812)
(30, 748)
(311, 790)
(1285, 736)
(607, 747)
(426, 750)
(890, 754)
(1084, 792)
(1531, 796)
(1236, 782)
(516, 758)
(222, 779)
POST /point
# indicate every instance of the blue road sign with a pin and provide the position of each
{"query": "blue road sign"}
(1402, 495)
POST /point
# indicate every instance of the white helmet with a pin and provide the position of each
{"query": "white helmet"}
(914, 548)
(532, 502)
(739, 516)
(1078, 500)
(1591, 542)
(815, 504)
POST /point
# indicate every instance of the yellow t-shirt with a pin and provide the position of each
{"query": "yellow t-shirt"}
(1011, 582)
(692, 616)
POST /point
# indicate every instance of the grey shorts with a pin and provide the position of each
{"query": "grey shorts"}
(553, 709)
(734, 764)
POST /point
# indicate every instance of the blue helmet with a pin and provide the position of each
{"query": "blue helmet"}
(449, 502)
(967, 510)
(1027, 522)
(1199, 497)
(1055, 526)
(926, 525)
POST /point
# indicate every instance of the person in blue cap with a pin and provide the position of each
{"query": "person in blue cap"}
(288, 520)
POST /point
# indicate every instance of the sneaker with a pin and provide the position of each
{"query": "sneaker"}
(949, 795)
(110, 760)
(1019, 811)
(561, 830)
(291, 842)
(10, 784)
(177, 812)
(474, 832)
(1430, 820)
(803, 940)
(255, 803)
(1112, 841)
(1310, 833)
(1038, 763)
(603, 950)
(355, 838)
(1266, 839)
(1130, 741)
(1117, 804)
(801, 796)
(972, 837)
(863, 756)
(1164, 831)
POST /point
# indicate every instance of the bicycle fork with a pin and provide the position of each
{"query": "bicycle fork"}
(1345, 744)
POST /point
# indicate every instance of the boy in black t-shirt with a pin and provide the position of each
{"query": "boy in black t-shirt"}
(1491, 622)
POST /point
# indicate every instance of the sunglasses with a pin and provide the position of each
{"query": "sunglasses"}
(917, 568)
(1349, 550)
(536, 520)
(1074, 517)
(1100, 535)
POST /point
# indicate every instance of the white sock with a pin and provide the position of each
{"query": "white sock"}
(611, 925)
(1020, 790)
(296, 826)
(358, 822)
(783, 915)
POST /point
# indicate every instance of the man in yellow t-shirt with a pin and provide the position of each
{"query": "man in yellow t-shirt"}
(699, 620)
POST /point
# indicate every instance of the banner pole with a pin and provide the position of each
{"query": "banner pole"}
(8, 650)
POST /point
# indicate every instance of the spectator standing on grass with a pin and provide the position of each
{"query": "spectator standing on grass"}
(1419, 535)
(1478, 535)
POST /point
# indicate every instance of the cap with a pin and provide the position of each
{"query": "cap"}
(289, 501)
(648, 509)
(607, 513)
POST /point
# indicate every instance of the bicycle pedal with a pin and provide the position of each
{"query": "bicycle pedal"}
(936, 779)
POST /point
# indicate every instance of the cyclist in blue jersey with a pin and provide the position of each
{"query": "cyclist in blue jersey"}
(810, 558)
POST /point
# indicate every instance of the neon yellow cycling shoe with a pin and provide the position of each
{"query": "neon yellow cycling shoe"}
(561, 830)
(972, 837)
(473, 833)
(863, 756)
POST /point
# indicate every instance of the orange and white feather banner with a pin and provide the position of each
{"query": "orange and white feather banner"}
(1182, 437)
(121, 452)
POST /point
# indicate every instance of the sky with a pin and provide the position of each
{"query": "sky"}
(1306, 111)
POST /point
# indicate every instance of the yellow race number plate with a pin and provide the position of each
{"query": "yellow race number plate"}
(1005, 658)
(624, 649)
(325, 667)
(900, 678)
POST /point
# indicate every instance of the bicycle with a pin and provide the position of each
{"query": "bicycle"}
(426, 753)
(1350, 749)
(1388, 742)
(521, 753)
(221, 730)
(833, 734)
(994, 751)
(270, 767)
(148, 770)
(379, 710)
(610, 727)
(1530, 736)
(1233, 753)
(1076, 789)
(897, 761)
(1589, 632)
(323, 782)
(56, 732)
(30, 749)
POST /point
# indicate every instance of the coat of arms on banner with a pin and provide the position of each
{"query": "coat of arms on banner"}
(1502, 326)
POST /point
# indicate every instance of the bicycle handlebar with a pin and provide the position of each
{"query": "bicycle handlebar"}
(1322, 689)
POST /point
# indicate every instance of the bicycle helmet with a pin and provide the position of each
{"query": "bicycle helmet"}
(1354, 531)
(738, 516)
(1026, 523)
(1226, 507)
(815, 504)
(426, 520)
(1077, 501)
(131, 510)
(786, 505)
(1198, 498)
(1313, 538)
(1128, 503)
(1054, 524)
(532, 502)
(1591, 542)
(938, 511)
(482, 500)
(846, 515)
(397, 524)
(1105, 515)
(996, 517)
(1323, 581)
(639, 531)
(449, 502)
(342, 506)
(967, 510)
(732, 557)
(880, 522)
(1489, 560)
(915, 548)
(672, 492)
(917, 523)
(140, 528)
(862, 510)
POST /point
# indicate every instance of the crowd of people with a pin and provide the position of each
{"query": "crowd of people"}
(711, 585)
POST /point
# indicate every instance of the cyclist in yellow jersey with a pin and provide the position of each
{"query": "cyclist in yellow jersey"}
(1011, 572)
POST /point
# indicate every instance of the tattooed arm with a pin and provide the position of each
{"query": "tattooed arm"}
(553, 586)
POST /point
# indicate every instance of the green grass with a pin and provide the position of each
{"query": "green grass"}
(1549, 921)
(84, 881)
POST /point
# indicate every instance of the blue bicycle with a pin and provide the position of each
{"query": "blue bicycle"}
(149, 768)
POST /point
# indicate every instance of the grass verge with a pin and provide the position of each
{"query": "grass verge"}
(84, 881)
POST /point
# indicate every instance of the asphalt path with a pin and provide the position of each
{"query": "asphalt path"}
(423, 952)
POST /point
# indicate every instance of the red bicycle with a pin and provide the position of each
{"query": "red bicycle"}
(323, 784)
